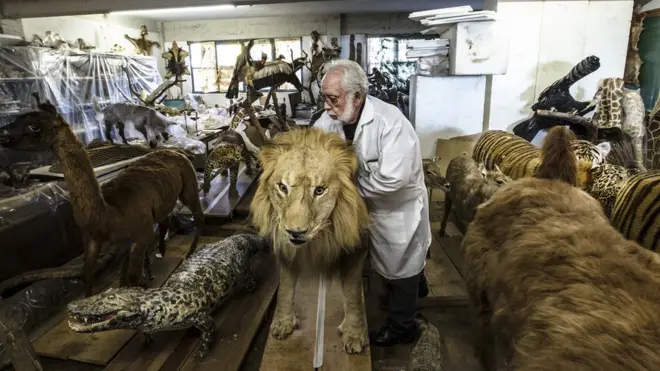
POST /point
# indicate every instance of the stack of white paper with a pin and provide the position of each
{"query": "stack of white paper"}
(448, 16)
(427, 48)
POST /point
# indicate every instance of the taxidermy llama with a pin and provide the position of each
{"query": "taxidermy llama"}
(554, 282)
(124, 208)
(469, 185)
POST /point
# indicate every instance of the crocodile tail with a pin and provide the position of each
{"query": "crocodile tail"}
(558, 160)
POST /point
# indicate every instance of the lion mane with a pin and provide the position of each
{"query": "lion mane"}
(349, 219)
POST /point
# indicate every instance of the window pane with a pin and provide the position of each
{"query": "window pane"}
(227, 54)
(261, 46)
(388, 55)
(381, 51)
(202, 54)
(286, 47)
(204, 80)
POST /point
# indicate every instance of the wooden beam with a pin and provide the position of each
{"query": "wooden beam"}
(296, 351)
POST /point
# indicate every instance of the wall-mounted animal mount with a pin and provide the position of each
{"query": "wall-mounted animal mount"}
(142, 45)
(176, 62)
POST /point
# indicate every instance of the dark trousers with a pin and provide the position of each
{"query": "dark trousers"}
(402, 301)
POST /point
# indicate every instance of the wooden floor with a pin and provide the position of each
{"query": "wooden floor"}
(242, 325)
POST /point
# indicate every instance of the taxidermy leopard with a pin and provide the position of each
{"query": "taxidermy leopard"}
(604, 183)
(227, 155)
(188, 298)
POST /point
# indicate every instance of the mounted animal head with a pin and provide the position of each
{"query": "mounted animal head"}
(33, 131)
(306, 193)
(589, 152)
(433, 175)
(109, 310)
(496, 175)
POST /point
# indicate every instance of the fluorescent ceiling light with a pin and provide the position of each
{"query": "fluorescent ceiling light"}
(189, 9)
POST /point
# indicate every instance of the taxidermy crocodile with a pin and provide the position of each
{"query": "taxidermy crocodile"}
(197, 287)
(428, 354)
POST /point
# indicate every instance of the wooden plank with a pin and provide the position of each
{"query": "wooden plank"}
(441, 274)
(452, 247)
(218, 202)
(443, 301)
(96, 348)
(296, 352)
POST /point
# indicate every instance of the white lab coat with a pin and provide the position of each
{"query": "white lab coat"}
(391, 180)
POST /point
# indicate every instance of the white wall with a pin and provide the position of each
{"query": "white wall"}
(547, 39)
(102, 31)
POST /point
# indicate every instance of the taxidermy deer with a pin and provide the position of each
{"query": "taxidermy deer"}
(124, 208)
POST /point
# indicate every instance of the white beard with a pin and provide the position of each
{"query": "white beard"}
(349, 111)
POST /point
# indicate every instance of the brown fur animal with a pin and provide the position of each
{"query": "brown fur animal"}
(470, 184)
(124, 208)
(551, 279)
(307, 202)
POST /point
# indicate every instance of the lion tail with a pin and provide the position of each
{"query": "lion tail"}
(558, 160)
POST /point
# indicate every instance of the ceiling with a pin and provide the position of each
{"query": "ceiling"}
(300, 8)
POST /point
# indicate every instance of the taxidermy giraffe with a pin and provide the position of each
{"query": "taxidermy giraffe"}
(124, 208)
(620, 106)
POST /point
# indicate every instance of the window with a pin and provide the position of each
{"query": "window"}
(290, 49)
(203, 62)
(388, 54)
(227, 53)
(212, 63)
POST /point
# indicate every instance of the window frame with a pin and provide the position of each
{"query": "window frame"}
(192, 68)
(397, 41)
(273, 51)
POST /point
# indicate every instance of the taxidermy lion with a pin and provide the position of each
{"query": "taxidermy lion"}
(307, 203)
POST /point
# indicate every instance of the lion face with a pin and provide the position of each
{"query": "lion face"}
(306, 191)
(303, 190)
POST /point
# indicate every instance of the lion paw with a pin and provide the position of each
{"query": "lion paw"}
(353, 338)
(281, 328)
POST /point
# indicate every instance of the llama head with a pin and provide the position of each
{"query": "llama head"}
(33, 131)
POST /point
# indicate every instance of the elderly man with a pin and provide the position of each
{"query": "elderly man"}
(391, 180)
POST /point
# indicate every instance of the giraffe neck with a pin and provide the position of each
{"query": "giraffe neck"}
(85, 196)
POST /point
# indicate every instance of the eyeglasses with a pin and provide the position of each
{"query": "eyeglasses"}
(331, 100)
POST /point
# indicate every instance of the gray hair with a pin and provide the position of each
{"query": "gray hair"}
(354, 79)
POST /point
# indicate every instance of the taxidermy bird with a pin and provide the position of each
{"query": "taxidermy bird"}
(243, 62)
(274, 74)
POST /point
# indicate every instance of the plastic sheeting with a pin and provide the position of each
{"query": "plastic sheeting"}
(70, 79)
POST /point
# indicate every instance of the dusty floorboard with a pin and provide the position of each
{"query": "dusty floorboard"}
(295, 353)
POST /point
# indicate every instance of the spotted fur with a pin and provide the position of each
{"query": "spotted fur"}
(518, 158)
(197, 287)
(228, 155)
(636, 212)
(604, 183)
